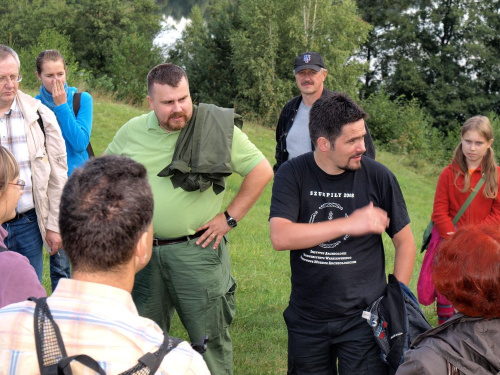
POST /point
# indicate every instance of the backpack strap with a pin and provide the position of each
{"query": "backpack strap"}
(150, 362)
(77, 96)
(42, 127)
(76, 102)
(50, 349)
(48, 340)
(52, 356)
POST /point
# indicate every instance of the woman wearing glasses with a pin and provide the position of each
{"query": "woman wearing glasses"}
(58, 96)
(18, 279)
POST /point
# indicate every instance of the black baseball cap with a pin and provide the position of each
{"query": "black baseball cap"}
(308, 60)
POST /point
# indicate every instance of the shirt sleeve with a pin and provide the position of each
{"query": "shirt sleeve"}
(244, 155)
(441, 209)
(395, 207)
(76, 130)
(494, 215)
(285, 200)
(119, 142)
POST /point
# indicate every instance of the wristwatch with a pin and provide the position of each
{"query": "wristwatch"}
(230, 221)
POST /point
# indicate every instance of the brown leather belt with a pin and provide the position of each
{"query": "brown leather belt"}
(172, 241)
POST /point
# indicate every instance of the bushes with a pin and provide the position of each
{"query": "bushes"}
(402, 126)
(107, 44)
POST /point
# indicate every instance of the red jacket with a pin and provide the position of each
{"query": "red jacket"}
(449, 199)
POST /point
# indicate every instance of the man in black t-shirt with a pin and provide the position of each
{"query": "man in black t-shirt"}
(331, 206)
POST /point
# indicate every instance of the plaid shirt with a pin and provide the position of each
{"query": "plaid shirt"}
(13, 138)
(95, 319)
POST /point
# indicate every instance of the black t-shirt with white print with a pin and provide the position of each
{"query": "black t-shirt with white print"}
(341, 277)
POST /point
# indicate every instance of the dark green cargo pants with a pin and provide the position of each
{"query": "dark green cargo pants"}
(198, 284)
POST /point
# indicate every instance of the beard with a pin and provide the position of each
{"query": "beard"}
(351, 166)
(176, 121)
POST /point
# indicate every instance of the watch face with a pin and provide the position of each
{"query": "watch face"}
(230, 221)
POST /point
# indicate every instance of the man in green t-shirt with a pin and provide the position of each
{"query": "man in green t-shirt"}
(185, 273)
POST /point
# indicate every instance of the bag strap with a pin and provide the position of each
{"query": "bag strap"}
(77, 96)
(42, 128)
(52, 356)
(76, 102)
(466, 204)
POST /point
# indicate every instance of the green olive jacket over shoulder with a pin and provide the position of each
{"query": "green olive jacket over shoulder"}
(202, 156)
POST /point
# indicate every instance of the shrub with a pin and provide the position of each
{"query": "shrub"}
(48, 39)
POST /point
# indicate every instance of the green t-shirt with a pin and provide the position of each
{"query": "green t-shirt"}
(177, 212)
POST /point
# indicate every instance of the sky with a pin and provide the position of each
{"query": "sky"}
(172, 31)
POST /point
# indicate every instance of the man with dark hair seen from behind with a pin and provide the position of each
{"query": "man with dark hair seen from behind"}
(330, 208)
(189, 150)
(292, 131)
(106, 226)
(41, 155)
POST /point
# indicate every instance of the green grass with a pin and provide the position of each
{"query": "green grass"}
(258, 331)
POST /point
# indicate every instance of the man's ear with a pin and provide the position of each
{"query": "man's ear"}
(143, 249)
(150, 100)
(323, 144)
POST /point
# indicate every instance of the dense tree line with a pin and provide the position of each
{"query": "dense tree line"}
(445, 53)
(421, 66)
(243, 55)
(108, 43)
(425, 65)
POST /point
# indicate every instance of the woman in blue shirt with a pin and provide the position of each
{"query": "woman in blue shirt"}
(58, 96)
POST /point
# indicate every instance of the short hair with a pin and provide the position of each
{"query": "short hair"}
(6, 51)
(165, 74)
(467, 270)
(48, 55)
(330, 113)
(9, 169)
(105, 207)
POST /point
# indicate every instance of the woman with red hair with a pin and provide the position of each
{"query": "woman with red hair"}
(473, 158)
(467, 272)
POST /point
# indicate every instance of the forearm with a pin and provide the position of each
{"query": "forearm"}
(250, 190)
(287, 235)
(404, 258)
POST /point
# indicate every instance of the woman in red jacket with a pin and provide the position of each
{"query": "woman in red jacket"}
(473, 158)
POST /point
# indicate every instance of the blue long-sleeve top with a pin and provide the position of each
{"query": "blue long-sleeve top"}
(75, 130)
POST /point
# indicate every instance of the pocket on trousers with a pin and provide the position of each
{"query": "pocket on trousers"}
(221, 311)
(229, 304)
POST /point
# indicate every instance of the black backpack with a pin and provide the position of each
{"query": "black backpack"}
(76, 107)
(396, 319)
(53, 360)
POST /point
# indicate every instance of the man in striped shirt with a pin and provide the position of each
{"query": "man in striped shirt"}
(107, 211)
(41, 155)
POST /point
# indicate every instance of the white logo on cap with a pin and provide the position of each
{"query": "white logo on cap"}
(307, 58)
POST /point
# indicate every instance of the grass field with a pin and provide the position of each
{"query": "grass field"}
(258, 331)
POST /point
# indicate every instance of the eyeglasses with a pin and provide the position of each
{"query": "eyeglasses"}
(19, 183)
(18, 78)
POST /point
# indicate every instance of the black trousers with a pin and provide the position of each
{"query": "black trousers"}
(320, 348)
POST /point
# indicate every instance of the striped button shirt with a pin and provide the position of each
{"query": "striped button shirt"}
(13, 138)
(95, 319)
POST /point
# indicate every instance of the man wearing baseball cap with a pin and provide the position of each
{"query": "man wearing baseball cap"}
(292, 131)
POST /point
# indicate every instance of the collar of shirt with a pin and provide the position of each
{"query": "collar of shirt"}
(94, 292)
